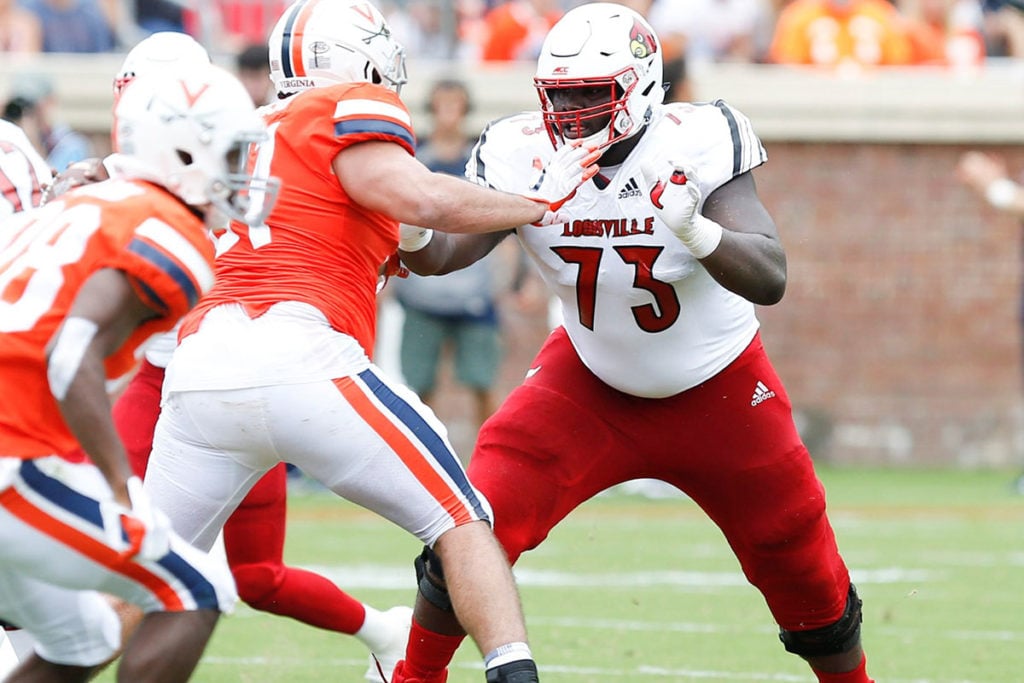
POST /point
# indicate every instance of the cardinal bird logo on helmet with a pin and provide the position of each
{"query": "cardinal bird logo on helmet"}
(641, 41)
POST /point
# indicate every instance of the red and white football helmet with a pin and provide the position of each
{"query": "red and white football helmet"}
(596, 45)
(325, 42)
(191, 133)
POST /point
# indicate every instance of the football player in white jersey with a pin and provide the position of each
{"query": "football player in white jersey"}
(658, 370)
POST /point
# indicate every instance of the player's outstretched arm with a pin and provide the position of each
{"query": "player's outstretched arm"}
(383, 177)
(733, 235)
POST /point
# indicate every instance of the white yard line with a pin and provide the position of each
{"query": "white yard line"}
(399, 578)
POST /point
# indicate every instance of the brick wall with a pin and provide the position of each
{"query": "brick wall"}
(900, 325)
(898, 337)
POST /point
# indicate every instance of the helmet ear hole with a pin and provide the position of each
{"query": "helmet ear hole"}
(184, 157)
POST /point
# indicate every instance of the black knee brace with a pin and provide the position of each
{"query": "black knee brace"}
(828, 640)
(430, 577)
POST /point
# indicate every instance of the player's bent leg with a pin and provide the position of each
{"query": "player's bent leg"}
(832, 649)
(486, 601)
(35, 669)
(254, 543)
(254, 538)
(435, 632)
(148, 657)
(62, 554)
(167, 645)
(388, 429)
(75, 633)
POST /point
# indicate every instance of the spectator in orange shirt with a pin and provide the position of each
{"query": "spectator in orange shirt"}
(946, 32)
(515, 29)
(839, 33)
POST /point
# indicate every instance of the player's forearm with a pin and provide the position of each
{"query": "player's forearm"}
(445, 253)
(458, 206)
(86, 411)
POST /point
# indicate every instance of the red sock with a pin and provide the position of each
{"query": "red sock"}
(308, 597)
(858, 675)
(427, 652)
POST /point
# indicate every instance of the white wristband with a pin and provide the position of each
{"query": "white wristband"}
(411, 238)
(703, 237)
(1001, 193)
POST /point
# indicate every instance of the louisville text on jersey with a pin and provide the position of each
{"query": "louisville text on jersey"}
(608, 227)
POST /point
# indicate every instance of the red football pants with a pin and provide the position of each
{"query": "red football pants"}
(563, 436)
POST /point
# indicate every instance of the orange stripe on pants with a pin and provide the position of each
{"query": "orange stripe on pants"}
(403, 447)
(50, 526)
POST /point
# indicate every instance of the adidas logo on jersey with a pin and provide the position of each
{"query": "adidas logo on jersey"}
(761, 394)
(631, 189)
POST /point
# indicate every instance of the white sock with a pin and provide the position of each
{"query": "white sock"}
(377, 631)
(503, 654)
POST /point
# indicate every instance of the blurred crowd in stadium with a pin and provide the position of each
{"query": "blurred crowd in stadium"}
(822, 32)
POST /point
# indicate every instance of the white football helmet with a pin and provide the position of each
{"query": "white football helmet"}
(595, 45)
(325, 42)
(159, 52)
(191, 134)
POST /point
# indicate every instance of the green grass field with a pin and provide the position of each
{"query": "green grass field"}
(629, 589)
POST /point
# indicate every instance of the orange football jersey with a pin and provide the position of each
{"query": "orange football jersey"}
(47, 254)
(318, 247)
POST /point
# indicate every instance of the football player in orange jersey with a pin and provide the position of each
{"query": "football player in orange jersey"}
(254, 535)
(274, 365)
(658, 370)
(86, 280)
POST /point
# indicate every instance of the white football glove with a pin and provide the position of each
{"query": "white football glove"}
(142, 531)
(556, 183)
(675, 194)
